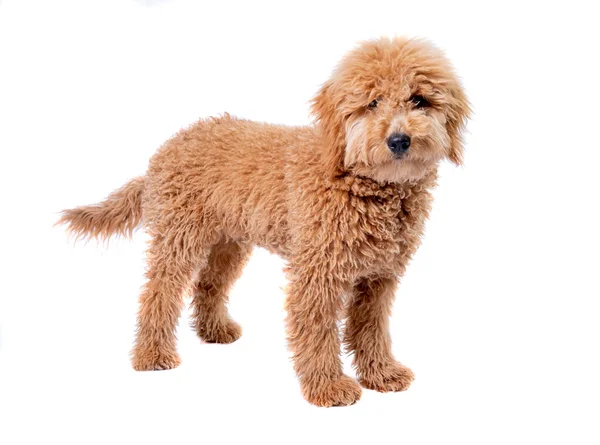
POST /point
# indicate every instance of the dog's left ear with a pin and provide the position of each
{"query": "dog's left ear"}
(326, 107)
(459, 112)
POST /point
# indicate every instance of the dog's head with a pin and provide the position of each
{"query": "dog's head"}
(391, 111)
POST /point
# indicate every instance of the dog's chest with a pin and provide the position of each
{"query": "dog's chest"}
(384, 233)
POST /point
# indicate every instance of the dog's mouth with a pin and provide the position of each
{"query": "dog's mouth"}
(399, 156)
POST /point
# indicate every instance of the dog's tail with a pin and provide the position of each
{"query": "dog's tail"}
(119, 214)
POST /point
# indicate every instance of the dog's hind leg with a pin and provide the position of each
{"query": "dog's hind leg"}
(209, 304)
(171, 264)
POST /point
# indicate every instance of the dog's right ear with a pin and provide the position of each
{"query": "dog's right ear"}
(326, 107)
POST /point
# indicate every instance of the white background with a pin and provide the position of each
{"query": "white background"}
(498, 314)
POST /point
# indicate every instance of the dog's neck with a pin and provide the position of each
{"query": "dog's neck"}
(361, 186)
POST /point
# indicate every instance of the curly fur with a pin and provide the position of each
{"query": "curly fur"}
(330, 198)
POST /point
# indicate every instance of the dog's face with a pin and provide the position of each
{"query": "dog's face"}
(391, 111)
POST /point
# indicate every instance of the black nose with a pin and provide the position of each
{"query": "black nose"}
(399, 143)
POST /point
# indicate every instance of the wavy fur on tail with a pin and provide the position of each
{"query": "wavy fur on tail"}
(119, 214)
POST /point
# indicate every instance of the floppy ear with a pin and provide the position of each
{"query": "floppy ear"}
(329, 120)
(459, 111)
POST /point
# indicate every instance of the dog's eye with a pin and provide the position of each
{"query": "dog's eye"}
(373, 103)
(420, 102)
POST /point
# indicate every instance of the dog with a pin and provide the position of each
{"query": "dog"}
(343, 201)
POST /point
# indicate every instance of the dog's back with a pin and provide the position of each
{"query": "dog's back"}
(230, 176)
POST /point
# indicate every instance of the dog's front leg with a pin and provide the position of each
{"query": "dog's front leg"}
(313, 307)
(367, 335)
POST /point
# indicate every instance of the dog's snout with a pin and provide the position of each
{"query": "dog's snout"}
(399, 143)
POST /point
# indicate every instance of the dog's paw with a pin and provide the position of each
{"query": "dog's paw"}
(154, 360)
(340, 392)
(391, 377)
(223, 333)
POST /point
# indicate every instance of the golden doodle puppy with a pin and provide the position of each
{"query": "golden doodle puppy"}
(343, 202)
